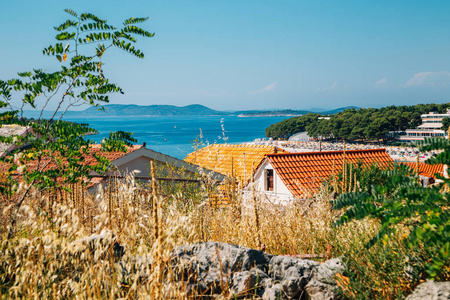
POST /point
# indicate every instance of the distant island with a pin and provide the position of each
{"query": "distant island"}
(292, 113)
(111, 110)
(148, 110)
(190, 110)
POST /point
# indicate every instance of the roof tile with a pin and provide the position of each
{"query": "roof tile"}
(228, 158)
(305, 171)
(427, 169)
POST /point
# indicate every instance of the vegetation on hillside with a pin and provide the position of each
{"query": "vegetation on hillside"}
(289, 112)
(356, 124)
(151, 110)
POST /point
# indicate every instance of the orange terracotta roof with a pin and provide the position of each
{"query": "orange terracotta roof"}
(304, 172)
(228, 158)
(426, 169)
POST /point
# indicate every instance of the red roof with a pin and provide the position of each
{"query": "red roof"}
(426, 169)
(304, 172)
(113, 155)
(89, 160)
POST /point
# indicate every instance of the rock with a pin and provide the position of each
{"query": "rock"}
(210, 267)
(274, 293)
(431, 290)
(328, 270)
(248, 283)
(317, 290)
(216, 270)
(292, 287)
(322, 286)
(283, 266)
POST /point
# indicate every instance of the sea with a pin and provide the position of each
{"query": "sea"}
(178, 136)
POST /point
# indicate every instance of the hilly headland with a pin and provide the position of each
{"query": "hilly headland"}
(191, 110)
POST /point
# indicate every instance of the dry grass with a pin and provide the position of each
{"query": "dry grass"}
(45, 253)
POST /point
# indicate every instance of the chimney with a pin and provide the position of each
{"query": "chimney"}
(144, 144)
(275, 150)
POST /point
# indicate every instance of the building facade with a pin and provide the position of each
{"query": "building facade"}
(431, 127)
(282, 178)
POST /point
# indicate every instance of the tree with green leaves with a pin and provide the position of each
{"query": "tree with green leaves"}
(445, 124)
(53, 154)
(400, 200)
(356, 124)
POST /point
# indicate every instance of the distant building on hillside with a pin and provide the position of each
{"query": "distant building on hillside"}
(431, 127)
(300, 137)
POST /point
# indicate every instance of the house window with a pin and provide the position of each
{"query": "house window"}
(269, 180)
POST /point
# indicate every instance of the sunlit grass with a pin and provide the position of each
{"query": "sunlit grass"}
(44, 253)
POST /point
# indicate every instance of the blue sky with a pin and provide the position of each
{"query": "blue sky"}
(233, 55)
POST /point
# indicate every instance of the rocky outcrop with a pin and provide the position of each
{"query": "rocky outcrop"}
(213, 268)
(431, 290)
(210, 269)
(322, 284)
(218, 270)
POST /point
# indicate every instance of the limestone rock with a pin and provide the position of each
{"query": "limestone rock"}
(328, 270)
(274, 293)
(317, 290)
(248, 283)
(322, 286)
(431, 290)
(210, 267)
(283, 266)
(292, 287)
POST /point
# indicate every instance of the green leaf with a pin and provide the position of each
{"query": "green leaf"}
(65, 25)
(134, 20)
(71, 12)
(63, 36)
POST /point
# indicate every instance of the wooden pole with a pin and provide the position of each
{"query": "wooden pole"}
(154, 194)
(244, 168)
(110, 203)
(255, 205)
(350, 177)
(232, 181)
(82, 202)
(157, 231)
(344, 171)
(417, 166)
(334, 176)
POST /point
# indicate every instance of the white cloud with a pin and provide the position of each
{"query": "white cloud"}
(269, 88)
(429, 79)
(331, 87)
(381, 83)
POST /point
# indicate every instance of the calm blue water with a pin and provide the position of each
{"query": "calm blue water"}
(174, 136)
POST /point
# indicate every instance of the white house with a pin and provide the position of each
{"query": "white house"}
(282, 178)
(268, 185)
